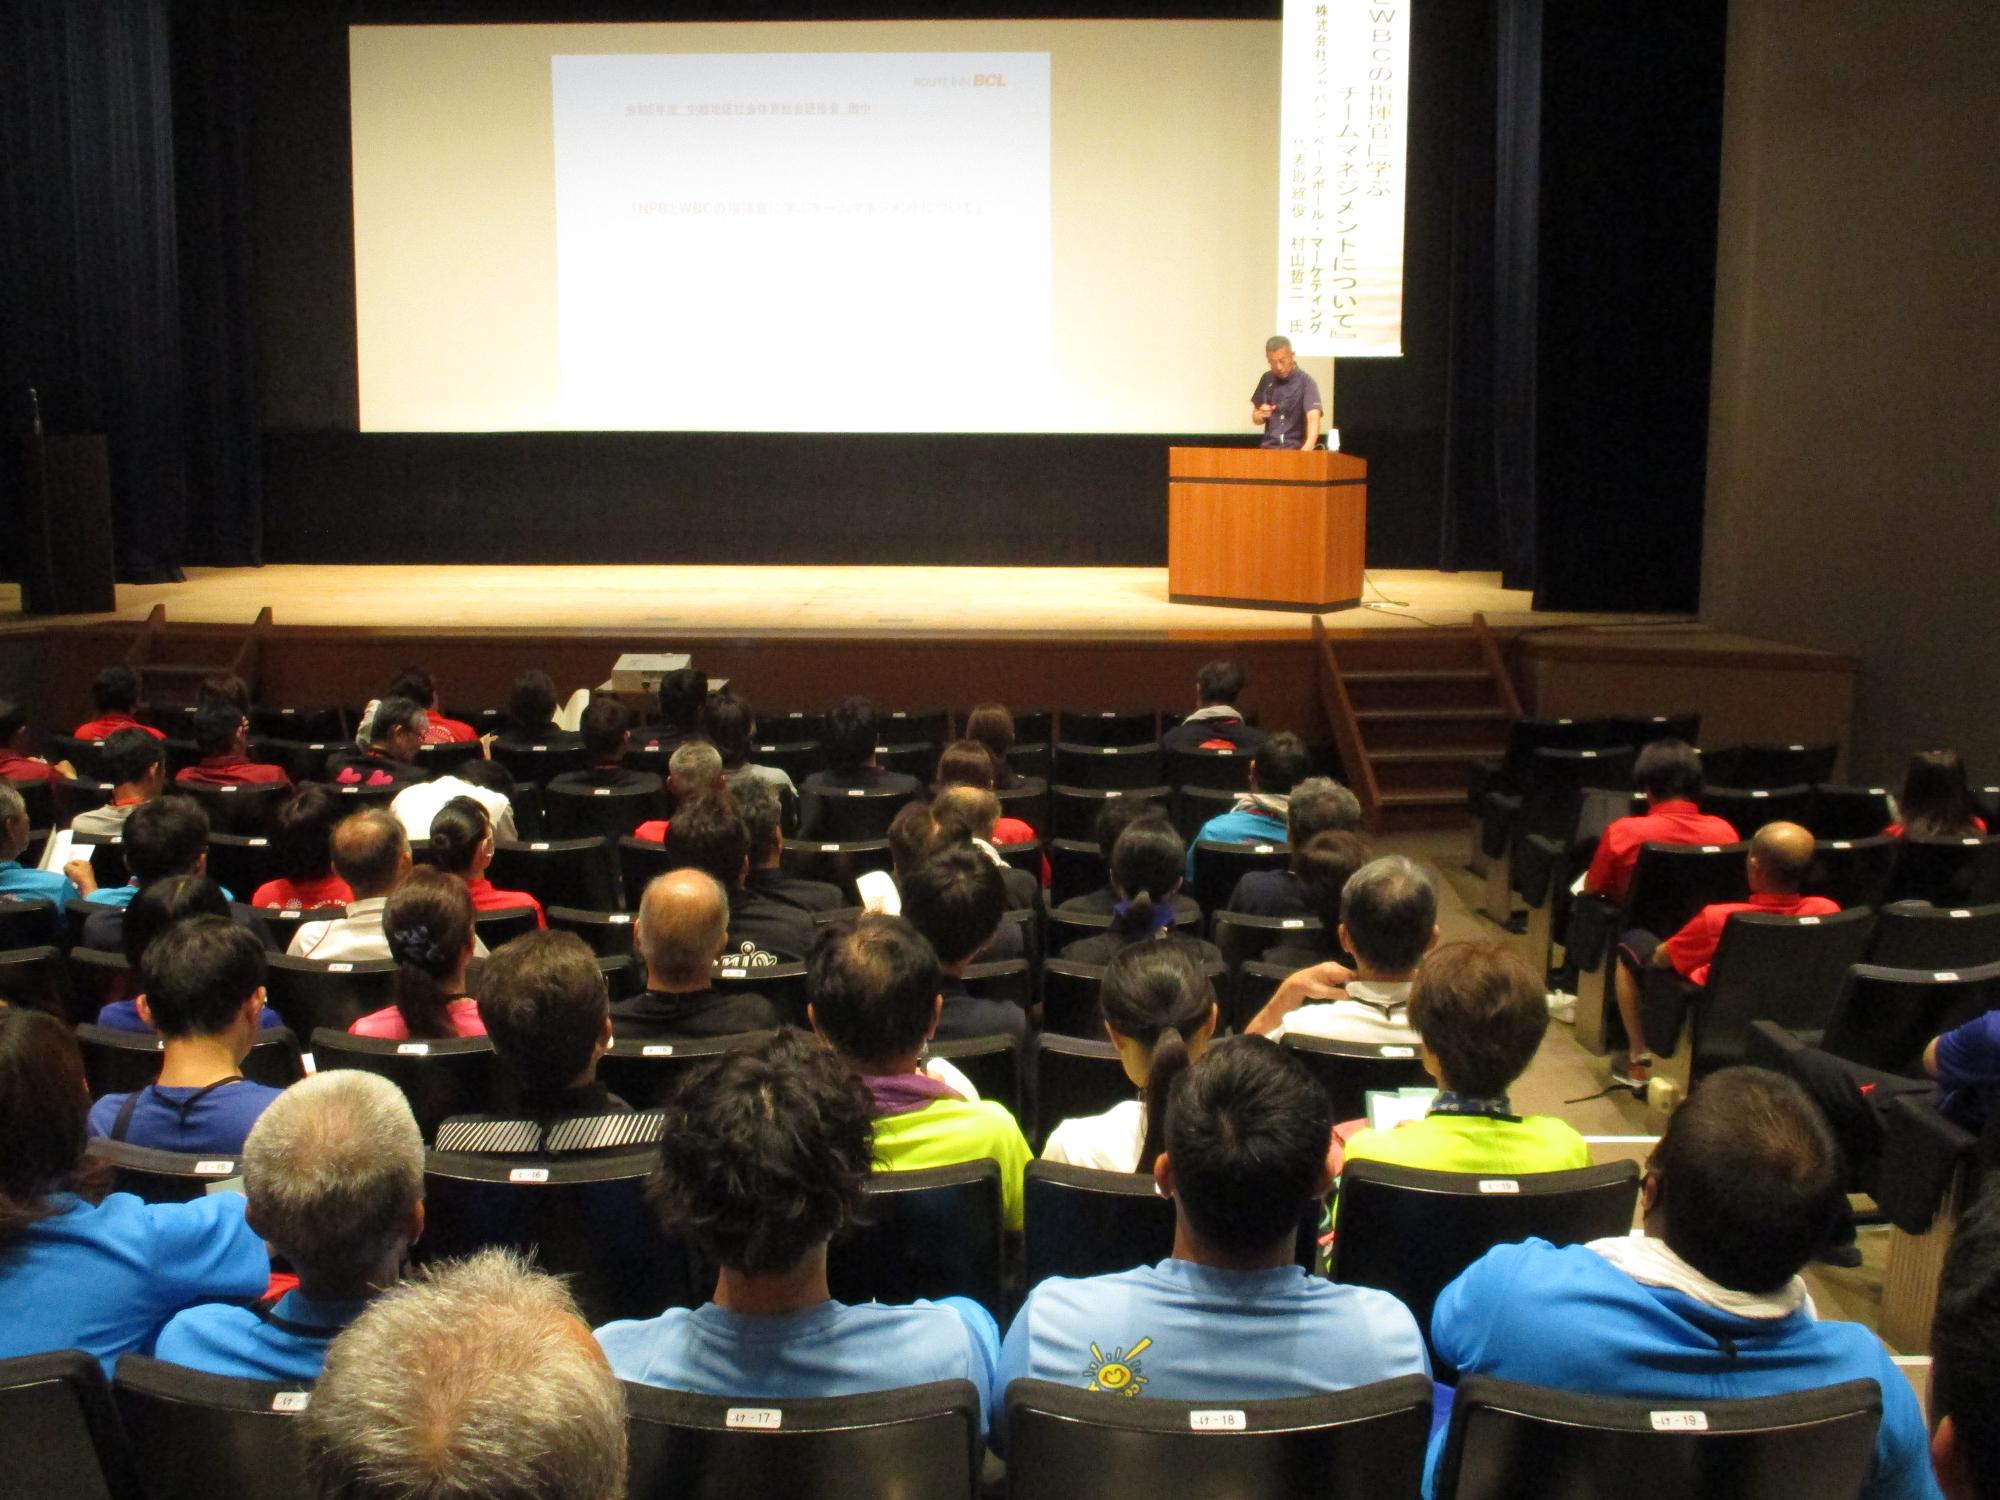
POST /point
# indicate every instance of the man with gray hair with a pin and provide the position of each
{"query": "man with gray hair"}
(475, 1380)
(1285, 401)
(19, 883)
(683, 928)
(693, 770)
(1388, 921)
(334, 1171)
(1317, 805)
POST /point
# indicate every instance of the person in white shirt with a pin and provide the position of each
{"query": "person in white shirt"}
(372, 855)
(416, 807)
(1388, 921)
(1160, 1013)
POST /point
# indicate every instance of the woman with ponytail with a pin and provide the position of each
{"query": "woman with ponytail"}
(1146, 865)
(462, 845)
(428, 922)
(1159, 1011)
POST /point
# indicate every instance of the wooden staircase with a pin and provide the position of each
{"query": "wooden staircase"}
(1411, 710)
(172, 668)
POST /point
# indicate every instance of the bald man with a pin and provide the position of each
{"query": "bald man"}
(372, 854)
(1656, 980)
(683, 928)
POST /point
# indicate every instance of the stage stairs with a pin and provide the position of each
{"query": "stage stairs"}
(1411, 710)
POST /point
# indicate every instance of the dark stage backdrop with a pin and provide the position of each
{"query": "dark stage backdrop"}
(1551, 405)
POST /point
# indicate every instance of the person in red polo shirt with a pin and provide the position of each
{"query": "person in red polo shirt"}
(1657, 980)
(420, 688)
(114, 694)
(1936, 803)
(15, 762)
(220, 734)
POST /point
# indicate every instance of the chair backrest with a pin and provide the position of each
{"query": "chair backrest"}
(1557, 778)
(798, 759)
(1770, 765)
(1073, 810)
(1065, 1442)
(36, 801)
(161, 1176)
(1005, 978)
(34, 979)
(503, 924)
(916, 1440)
(578, 812)
(1349, 1071)
(247, 810)
(446, 757)
(1255, 983)
(1244, 937)
(1748, 809)
(1853, 872)
(299, 723)
(1885, 1018)
(1217, 868)
(440, 1077)
(1674, 881)
(1224, 770)
(67, 798)
(240, 862)
(63, 1436)
(1076, 868)
(587, 1218)
(1507, 1440)
(1068, 926)
(836, 864)
(1411, 1232)
(852, 815)
(991, 1064)
(1029, 802)
(1108, 726)
(197, 1435)
(559, 872)
(646, 1074)
(609, 933)
(935, 1232)
(1075, 1077)
(1849, 812)
(1086, 1223)
(309, 993)
(1772, 968)
(1948, 872)
(119, 1062)
(533, 765)
(1069, 999)
(784, 985)
(1193, 806)
(29, 924)
(97, 977)
(1526, 736)
(1640, 730)
(1124, 767)
(1912, 936)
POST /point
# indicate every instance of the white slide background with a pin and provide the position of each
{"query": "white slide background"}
(837, 242)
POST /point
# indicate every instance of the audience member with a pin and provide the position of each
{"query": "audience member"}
(969, 816)
(223, 687)
(204, 994)
(372, 856)
(1657, 980)
(955, 899)
(875, 985)
(764, 1158)
(1216, 723)
(1740, 1191)
(969, 763)
(477, 1380)
(387, 755)
(694, 769)
(1146, 873)
(682, 694)
(607, 734)
(1388, 921)
(851, 732)
(1258, 817)
(758, 804)
(82, 1274)
(157, 907)
(991, 726)
(1480, 1012)
(135, 765)
(683, 928)
(727, 723)
(417, 684)
(1160, 1013)
(1323, 866)
(1935, 802)
(913, 838)
(707, 835)
(167, 836)
(334, 1175)
(1230, 1315)
(114, 694)
(19, 882)
(221, 734)
(462, 845)
(428, 923)
(15, 762)
(303, 849)
(1965, 1359)
(486, 782)
(532, 707)
(1117, 815)
(1317, 805)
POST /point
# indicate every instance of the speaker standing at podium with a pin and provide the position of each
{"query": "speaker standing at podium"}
(1286, 401)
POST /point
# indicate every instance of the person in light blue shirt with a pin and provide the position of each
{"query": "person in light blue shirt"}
(17, 881)
(1743, 1188)
(100, 1277)
(1259, 816)
(1230, 1316)
(764, 1157)
(334, 1172)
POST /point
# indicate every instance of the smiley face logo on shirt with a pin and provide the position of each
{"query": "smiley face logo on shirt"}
(1121, 1374)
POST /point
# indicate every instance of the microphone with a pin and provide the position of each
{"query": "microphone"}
(35, 412)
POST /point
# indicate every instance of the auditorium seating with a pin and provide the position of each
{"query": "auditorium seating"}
(1848, 812)
(1911, 936)
(856, 814)
(784, 985)
(1076, 868)
(645, 1073)
(1124, 768)
(1193, 806)
(246, 810)
(439, 1078)
(309, 993)
(1947, 871)
(1107, 727)
(1853, 872)
(97, 977)
(1245, 938)
(836, 864)
(933, 1232)
(1549, 806)
(1217, 868)
(1769, 766)
(991, 1064)
(62, 1434)
(1884, 1018)
(559, 872)
(1747, 809)
(609, 933)
(1074, 1077)
(503, 924)
(1349, 1071)
(1086, 1223)
(1069, 999)
(160, 1176)
(120, 1062)
(241, 862)
(34, 978)
(1073, 810)
(572, 812)
(198, 1435)
(29, 924)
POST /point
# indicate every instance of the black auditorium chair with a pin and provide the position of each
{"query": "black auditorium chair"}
(1073, 810)
(1035, 760)
(784, 985)
(991, 1064)
(1884, 1018)
(932, 1232)
(1508, 1440)
(1075, 1076)
(106, 855)
(1193, 806)
(609, 933)
(589, 812)
(1108, 767)
(1853, 872)
(86, 755)
(354, 799)
(120, 1062)
(623, 974)
(1066, 927)
(37, 801)
(197, 1435)
(1069, 999)
(1217, 868)
(1029, 802)
(63, 1435)
(68, 798)
(917, 758)
(444, 759)
(798, 759)
(1249, 992)
(240, 862)
(1218, 770)
(1547, 803)
(907, 726)
(1010, 979)
(639, 862)
(1637, 731)
(1245, 938)
(851, 815)
(440, 1077)
(1107, 727)
(34, 979)
(1411, 1232)
(75, 915)
(792, 724)
(559, 872)
(1848, 812)
(97, 977)
(587, 1218)
(180, 755)
(1025, 855)
(309, 993)
(247, 811)
(1506, 776)
(533, 765)
(1914, 935)
(303, 724)
(1770, 765)
(1068, 1443)
(160, 1176)
(299, 760)
(836, 864)
(277, 926)
(1947, 871)
(645, 1074)
(1747, 809)
(1086, 1223)
(29, 924)
(1350, 1071)
(921, 1440)
(503, 925)
(1076, 868)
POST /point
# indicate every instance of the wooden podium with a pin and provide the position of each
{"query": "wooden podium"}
(1267, 528)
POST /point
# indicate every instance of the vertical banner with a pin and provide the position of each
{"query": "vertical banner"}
(1344, 106)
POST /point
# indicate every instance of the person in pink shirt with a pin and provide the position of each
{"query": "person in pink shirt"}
(428, 922)
(462, 845)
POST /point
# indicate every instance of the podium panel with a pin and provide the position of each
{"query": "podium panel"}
(1266, 528)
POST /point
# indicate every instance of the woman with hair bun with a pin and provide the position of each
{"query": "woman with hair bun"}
(1159, 1011)
(462, 845)
(428, 922)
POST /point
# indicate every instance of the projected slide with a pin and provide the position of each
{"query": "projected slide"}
(718, 215)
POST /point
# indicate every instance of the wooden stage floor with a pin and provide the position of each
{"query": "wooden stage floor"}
(783, 601)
